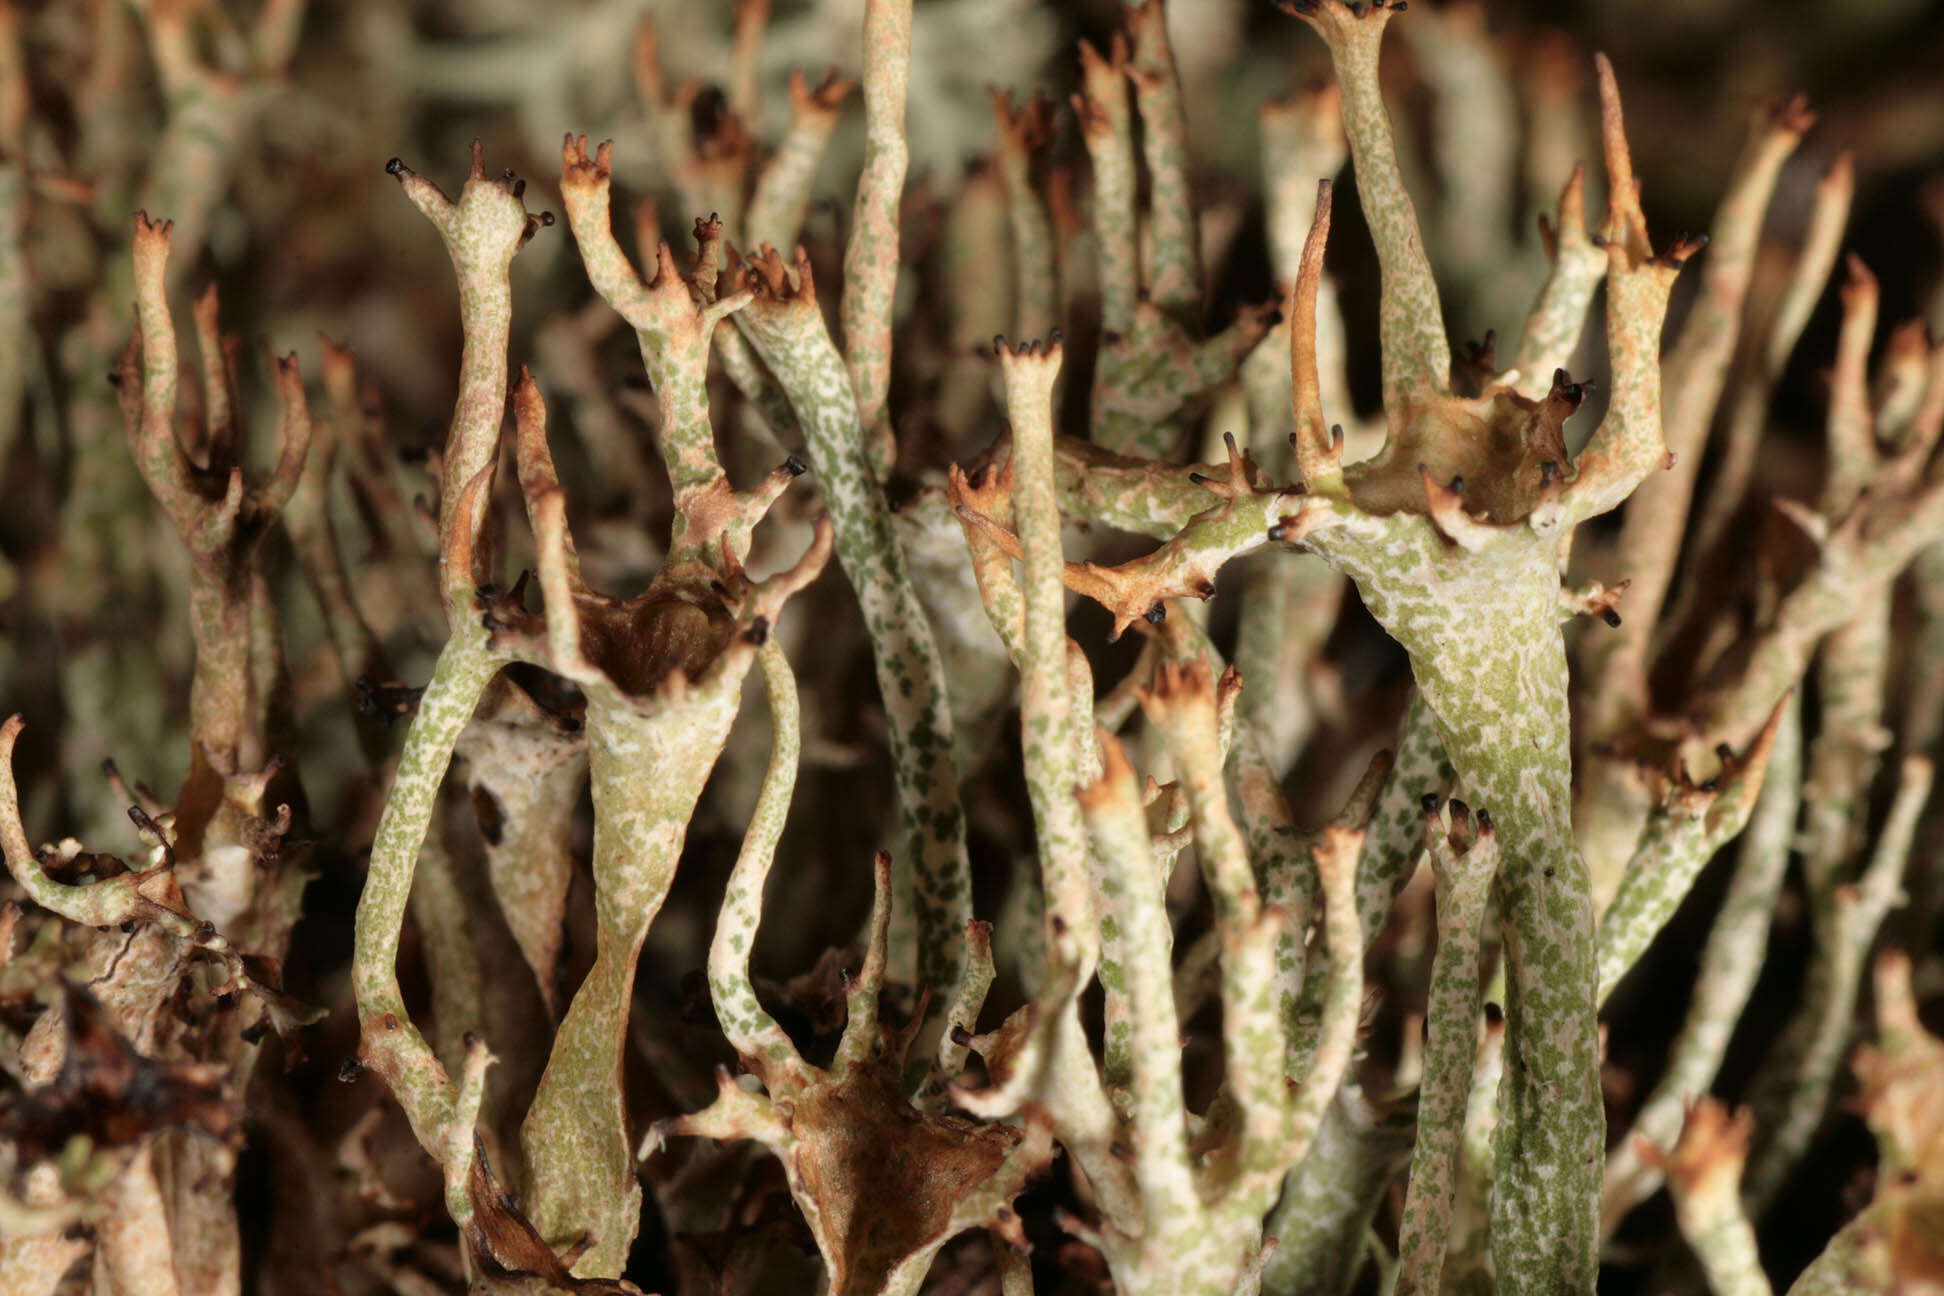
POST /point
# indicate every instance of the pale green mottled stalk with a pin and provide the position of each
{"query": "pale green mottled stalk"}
(1464, 870)
(389, 1043)
(1468, 1260)
(1136, 906)
(1396, 841)
(751, 1031)
(1106, 125)
(1047, 707)
(1171, 261)
(788, 332)
(1417, 356)
(871, 255)
(482, 231)
(647, 762)
(1331, 1196)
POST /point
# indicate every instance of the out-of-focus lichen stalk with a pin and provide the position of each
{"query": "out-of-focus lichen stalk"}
(313, 533)
(788, 332)
(871, 257)
(1790, 1092)
(1729, 965)
(1106, 125)
(1695, 374)
(1474, 144)
(1891, 1242)
(1290, 605)
(230, 694)
(14, 284)
(782, 192)
(1704, 1172)
(1023, 132)
(208, 110)
(1333, 1193)
(1171, 260)
(1748, 416)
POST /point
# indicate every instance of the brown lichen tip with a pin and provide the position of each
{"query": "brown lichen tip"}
(821, 100)
(1024, 128)
(1713, 1146)
(577, 169)
(770, 279)
(1325, 14)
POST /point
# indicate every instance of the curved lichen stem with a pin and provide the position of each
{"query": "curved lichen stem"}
(787, 330)
(389, 1042)
(752, 1032)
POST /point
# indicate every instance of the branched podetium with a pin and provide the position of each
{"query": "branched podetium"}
(1224, 961)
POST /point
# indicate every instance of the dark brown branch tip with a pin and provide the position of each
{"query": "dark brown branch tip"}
(1156, 614)
(1680, 251)
(758, 633)
(396, 167)
(1430, 802)
(389, 701)
(1611, 617)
